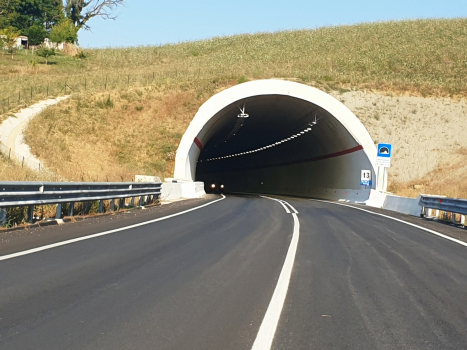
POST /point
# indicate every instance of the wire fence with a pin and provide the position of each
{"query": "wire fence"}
(31, 91)
(23, 159)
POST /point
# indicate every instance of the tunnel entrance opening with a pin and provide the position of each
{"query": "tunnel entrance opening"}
(277, 137)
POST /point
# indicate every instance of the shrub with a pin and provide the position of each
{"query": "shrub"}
(46, 53)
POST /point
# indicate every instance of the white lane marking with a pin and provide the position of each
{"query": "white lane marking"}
(290, 205)
(399, 220)
(268, 327)
(277, 200)
(54, 245)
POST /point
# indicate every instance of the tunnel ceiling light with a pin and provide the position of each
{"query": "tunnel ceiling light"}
(268, 146)
(242, 112)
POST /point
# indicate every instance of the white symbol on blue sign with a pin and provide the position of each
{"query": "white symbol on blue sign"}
(384, 150)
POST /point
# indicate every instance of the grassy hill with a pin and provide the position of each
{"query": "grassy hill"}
(130, 106)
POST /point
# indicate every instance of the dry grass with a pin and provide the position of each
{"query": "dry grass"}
(112, 136)
(12, 171)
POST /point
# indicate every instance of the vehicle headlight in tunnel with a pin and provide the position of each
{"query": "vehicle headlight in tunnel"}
(213, 186)
(222, 186)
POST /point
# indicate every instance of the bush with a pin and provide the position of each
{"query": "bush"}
(46, 53)
(81, 55)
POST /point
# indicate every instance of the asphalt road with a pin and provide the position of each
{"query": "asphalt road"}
(204, 280)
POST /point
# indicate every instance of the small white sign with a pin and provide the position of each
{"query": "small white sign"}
(365, 179)
(383, 162)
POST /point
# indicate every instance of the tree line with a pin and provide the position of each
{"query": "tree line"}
(58, 20)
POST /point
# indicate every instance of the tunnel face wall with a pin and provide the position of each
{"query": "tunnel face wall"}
(297, 140)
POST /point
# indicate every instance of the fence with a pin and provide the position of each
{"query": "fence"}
(34, 92)
(31, 194)
(448, 207)
(24, 160)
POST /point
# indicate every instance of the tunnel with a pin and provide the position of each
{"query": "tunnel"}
(277, 137)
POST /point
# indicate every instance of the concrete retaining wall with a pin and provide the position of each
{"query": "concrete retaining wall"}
(176, 190)
(403, 205)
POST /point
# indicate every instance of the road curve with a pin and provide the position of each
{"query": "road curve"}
(205, 279)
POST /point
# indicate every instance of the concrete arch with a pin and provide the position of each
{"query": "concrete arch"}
(327, 159)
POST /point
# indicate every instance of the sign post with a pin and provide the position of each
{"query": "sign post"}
(383, 160)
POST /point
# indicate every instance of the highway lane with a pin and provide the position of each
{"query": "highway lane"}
(204, 280)
(201, 280)
(362, 281)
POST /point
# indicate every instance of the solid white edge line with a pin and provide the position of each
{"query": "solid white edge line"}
(399, 220)
(277, 200)
(74, 240)
(268, 327)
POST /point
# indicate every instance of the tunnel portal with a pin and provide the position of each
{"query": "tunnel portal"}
(277, 137)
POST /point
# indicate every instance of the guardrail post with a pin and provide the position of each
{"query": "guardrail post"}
(112, 205)
(101, 206)
(2, 217)
(121, 203)
(132, 203)
(86, 207)
(463, 220)
(140, 202)
(453, 218)
(71, 209)
(58, 215)
(30, 217)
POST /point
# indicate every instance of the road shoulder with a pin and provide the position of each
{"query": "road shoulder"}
(30, 238)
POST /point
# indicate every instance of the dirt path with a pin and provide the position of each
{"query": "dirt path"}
(11, 132)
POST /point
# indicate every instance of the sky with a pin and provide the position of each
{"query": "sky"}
(150, 22)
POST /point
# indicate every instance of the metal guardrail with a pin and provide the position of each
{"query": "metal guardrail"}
(30, 194)
(447, 205)
(458, 206)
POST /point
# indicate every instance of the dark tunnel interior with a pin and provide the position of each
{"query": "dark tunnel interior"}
(281, 136)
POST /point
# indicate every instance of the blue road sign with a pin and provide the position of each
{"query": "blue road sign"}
(384, 150)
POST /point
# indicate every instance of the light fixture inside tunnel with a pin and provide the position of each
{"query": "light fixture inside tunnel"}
(242, 112)
(301, 133)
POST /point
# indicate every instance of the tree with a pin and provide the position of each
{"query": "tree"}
(8, 13)
(65, 31)
(46, 53)
(81, 11)
(23, 14)
(8, 39)
(36, 34)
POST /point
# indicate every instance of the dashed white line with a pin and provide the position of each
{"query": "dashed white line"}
(268, 327)
(54, 245)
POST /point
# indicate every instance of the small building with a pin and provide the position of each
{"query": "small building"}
(51, 45)
(22, 42)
